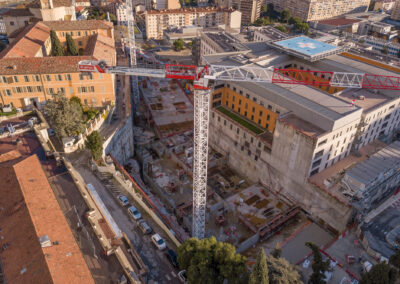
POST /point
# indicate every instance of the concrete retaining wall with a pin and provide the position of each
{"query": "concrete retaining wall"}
(245, 245)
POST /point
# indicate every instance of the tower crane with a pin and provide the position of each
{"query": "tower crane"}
(201, 75)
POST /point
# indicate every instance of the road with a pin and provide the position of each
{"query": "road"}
(160, 269)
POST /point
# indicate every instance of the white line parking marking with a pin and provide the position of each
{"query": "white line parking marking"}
(173, 274)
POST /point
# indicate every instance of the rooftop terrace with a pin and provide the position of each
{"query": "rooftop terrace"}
(365, 99)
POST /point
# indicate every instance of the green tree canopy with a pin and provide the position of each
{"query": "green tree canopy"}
(319, 266)
(282, 272)
(259, 22)
(95, 145)
(179, 44)
(380, 273)
(285, 15)
(71, 47)
(210, 261)
(65, 117)
(260, 275)
(281, 28)
(76, 100)
(56, 48)
(395, 259)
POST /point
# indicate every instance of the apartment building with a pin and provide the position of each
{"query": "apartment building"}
(47, 10)
(166, 4)
(29, 75)
(312, 10)
(158, 21)
(31, 81)
(286, 134)
(120, 13)
(250, 9)
(395, 15)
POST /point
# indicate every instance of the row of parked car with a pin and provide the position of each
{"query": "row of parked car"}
(157, 240)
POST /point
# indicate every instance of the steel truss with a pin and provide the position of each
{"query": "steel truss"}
(201, 75)
(200, 161)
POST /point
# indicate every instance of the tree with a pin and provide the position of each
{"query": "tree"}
(282, 272)
(65, 117)
(210, 261)
(179, 44)
(95, 145)
(395, 259)
(319, 266)
(76, 100)
(294, 20)
(285, 15)
(71, 47)
(281, 28)
(260, 275)
(264, 10)
(277, 251)
(259, 22)
(56, 48)
(380, 273)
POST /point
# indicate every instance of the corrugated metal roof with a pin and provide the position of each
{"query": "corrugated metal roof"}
(381, 162)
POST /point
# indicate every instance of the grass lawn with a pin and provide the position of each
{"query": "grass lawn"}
(240, 120)
(14, 111)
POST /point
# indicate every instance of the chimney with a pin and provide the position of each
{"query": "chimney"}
(51, 4)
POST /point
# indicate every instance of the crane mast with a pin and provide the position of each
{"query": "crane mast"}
(201, 76)
(132, 51)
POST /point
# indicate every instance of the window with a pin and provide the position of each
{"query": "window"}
(259, 144)
(219, 119)
(72, 33)
(259, 121)
(36, 78)
(266, 125)
(39, 89)
(58, 77)
(11, 23)
(91, 89)
(233, 98)
(216, 96)
(269, 107)
(62, 34)
(254, 99)
(79, 43)
(240, 102)
(16, 79)
(233, 106)
(268, 116)
(79, 33)
(237, 130)
(246, 106)
(231, 126)
(224, 122)
(247, 96)
(322, 142)
(249, 152)
(252, 117)
(71, 90)
(48, 78)
(67, 77)
(234, 89)
(26, 78)
(251, 140)
(314, 172)
(50, 91)
(319, 154)
(238, 110)
(7, 92)
(261, 113)
(256, 157)
(316, 163)
(29, 89)
(244, 134)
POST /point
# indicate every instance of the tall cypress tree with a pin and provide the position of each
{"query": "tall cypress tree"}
(56, 48)
(71, 47)
(259, 275)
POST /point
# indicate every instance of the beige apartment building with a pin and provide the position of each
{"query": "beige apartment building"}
(158, 21)
(29, 75)
(313, 10)
(396, 11)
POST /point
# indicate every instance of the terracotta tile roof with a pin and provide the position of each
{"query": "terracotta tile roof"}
(62, 3)
(78, 25)
(28, 42)
(339, 22)
(23, 253)
(41, 65)
(64, 261)
(189, 10)
(18, 13)
(101, 48)
(33, 4)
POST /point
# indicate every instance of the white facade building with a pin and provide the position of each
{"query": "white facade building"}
(158, 21)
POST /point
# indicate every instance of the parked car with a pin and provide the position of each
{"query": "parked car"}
(158, 242)
(173, 257)
(134, 213)
(51, 132)
(123, 200)
(182, 276)
(144, 227)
